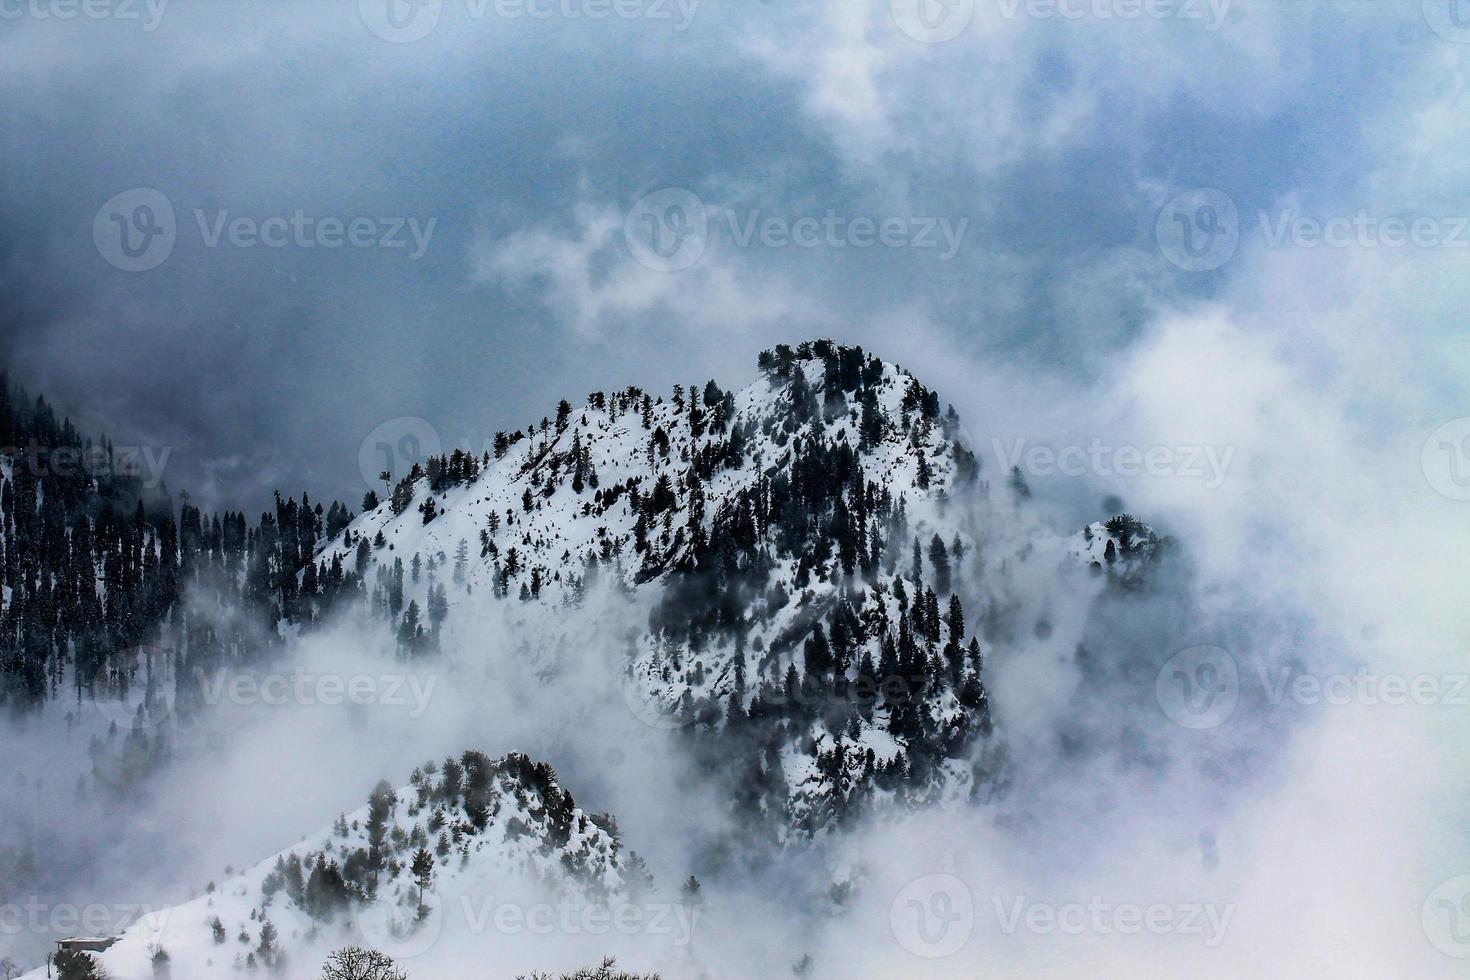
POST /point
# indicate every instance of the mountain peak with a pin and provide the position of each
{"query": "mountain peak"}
(394, 875)
(794, 532)
(788, 544)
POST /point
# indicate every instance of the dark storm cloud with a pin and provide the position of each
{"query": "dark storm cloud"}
(265, 367)
(1059, 320)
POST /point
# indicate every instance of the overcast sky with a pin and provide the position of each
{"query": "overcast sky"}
(1195, 227)
(1022, 165)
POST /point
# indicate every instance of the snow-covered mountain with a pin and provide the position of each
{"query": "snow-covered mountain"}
(799, 582)
(792, 562)
(491, 827)
(1123, 546)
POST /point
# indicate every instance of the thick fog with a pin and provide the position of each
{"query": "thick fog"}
(1287, 407)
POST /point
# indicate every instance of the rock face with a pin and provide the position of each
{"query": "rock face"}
(799, 558)
(799, 583)
(1121, 546)
(489, 826)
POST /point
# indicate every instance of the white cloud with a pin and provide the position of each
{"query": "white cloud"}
(584, 272)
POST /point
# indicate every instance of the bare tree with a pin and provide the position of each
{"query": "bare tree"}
(606, 971)
(356, 963)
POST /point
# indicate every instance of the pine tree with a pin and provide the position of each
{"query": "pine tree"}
(461, 561)
(638, 880)
(410, 632)
(438, 610)
(267, 947)
(939, 561)
(931, 615)
(691, 893)
(818, 654)
(381, 804)
(422, 869)
(1018, 484)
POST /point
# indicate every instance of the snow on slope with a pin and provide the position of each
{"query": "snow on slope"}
(1122, 546)
(601, 535)
(643, 493)
(508, 830)
(566, 524)
(628, 442)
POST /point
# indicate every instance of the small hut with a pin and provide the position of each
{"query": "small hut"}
(85, 944)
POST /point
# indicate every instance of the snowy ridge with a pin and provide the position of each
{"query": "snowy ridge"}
(788, 563)
(614, 435)
(492, 826)
(1122, 546)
